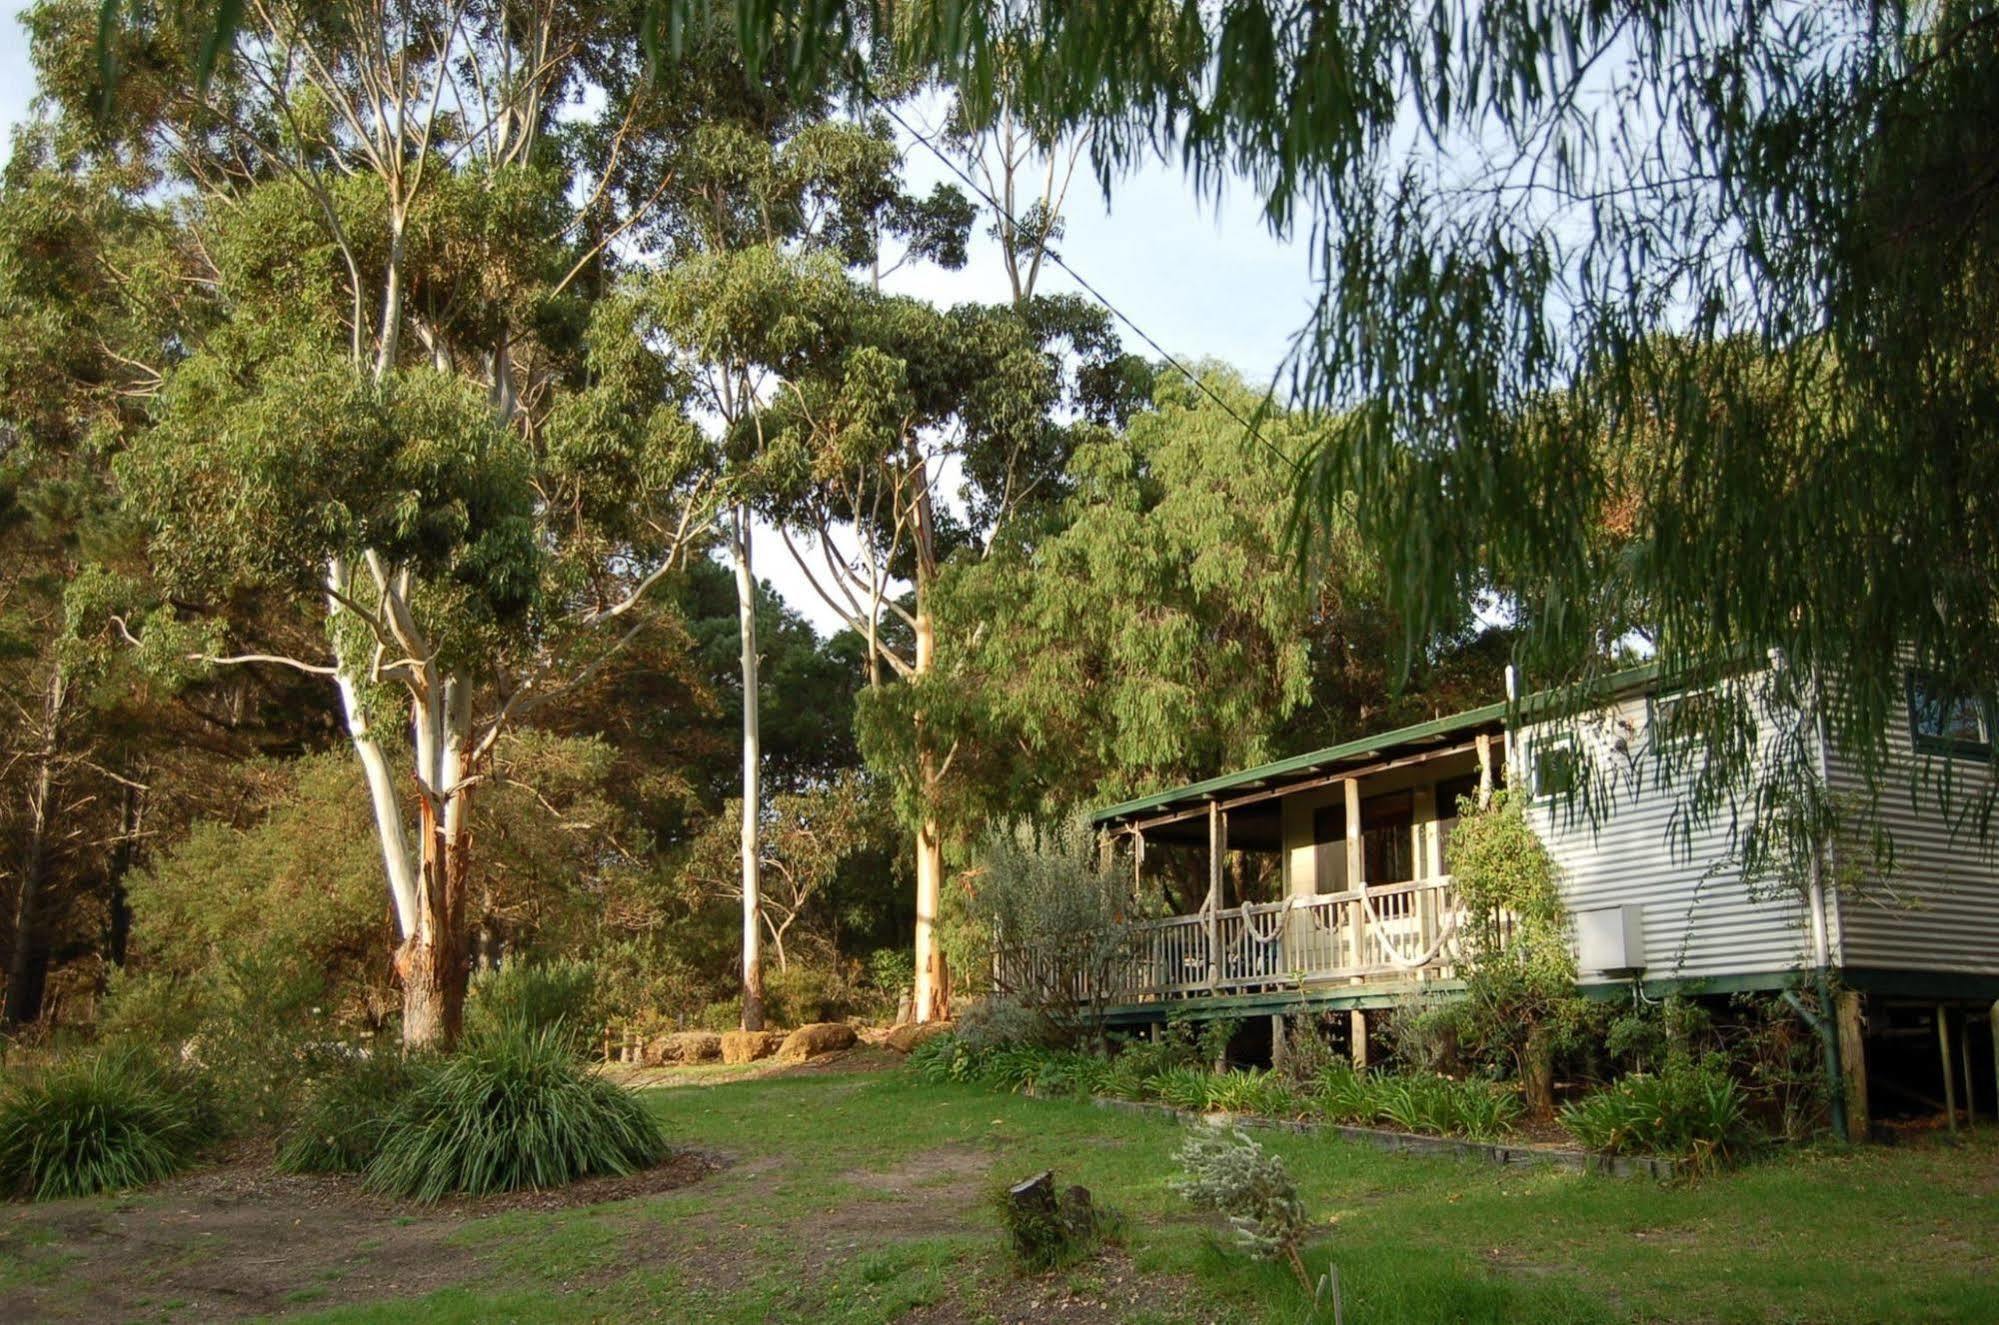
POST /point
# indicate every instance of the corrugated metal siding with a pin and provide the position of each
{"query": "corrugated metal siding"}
(1935, 905)
(1700, 918)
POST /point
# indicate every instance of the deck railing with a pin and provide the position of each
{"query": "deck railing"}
(1401, 932)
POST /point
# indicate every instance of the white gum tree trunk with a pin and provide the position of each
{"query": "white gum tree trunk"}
(746, 612)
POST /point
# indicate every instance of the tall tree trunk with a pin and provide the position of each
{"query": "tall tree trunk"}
(746, 613)
(28, 962)
(432, 959)
(933, 977)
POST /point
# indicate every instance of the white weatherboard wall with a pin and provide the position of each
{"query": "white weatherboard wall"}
(1700, 920)
(1935, 905)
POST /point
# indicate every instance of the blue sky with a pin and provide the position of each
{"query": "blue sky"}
(1205, 281)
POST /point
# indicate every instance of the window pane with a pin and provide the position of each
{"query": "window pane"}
(1555, 771)
(1940, 714)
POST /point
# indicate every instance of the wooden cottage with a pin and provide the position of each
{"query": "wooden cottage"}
(1318, 883)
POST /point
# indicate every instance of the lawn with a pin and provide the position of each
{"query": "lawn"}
(866, 1196)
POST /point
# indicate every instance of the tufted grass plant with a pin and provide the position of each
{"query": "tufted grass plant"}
(345, 1118)
(1694, 1112)
(511, 1109)
(103, 1122)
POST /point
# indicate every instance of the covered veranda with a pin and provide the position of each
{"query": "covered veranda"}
(1316, 879)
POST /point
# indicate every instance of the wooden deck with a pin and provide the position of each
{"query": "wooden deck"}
(1398, 934)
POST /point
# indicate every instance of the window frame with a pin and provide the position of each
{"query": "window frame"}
(1950, 747)
(1659, 707)
(1543, 750)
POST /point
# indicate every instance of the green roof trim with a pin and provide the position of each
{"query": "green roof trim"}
(1379, 743)
(1309, 762)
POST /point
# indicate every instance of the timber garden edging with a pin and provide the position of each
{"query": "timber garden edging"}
(1565, 1158)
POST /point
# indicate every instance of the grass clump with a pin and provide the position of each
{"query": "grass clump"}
(346, 1114)
(513, 1108)
(1694, 1112)
(105, 1122)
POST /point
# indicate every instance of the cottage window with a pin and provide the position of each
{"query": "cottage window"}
(1944, 719)
(1557, 770)
(1683, 718)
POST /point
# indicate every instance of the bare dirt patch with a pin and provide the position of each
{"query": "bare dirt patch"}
(240, 1239)
(1106, 1288)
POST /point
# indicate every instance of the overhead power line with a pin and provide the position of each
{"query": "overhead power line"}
(1052, 256)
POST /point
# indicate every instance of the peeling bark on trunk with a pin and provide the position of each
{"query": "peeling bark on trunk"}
(431, 962)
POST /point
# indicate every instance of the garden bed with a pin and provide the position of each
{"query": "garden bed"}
(1382, 1138)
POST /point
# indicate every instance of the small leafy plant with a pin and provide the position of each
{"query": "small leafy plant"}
(1227, 1172)
(103, 1123)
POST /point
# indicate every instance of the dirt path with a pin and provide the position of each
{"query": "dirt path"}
(238, 1239)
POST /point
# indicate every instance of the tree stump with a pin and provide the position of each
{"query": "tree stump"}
(1047, 1229)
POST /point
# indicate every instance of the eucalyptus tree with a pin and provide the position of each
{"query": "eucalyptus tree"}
(995, 399)
(1753, 235)
(772, 200)
(1151, 630)
(409, 390)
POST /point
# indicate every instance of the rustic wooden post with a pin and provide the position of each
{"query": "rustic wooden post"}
(1949, 1072)
(1964, 1049)
(1853, 1062)
(1427, 859)
(1357, 1039)
(1992, 1023)
(1217, 844)
(1485, 780)
(1356, 875)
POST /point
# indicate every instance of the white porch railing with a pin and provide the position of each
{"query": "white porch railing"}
(1400, 932)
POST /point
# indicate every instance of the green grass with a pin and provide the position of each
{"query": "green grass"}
(859, 1199)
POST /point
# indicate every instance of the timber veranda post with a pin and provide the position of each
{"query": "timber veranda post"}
(1218, 845)
(1356, 915)
(1356, 877)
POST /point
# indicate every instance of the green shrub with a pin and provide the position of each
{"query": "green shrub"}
(938, 1059)
(1342, 1094)
(1229, 1173)
(802, 993)
(1129, 1077)
(997, 1022)
(1246, 1090)
(892, 971)
(252, 1021)
(1072, 1073)
(511, 1109)
(1486, 1110)
(104, 1122)
(1010, 1068)
(1185, 1087)
(538, 996)
(346, 1114)
(1479, 1109)
(1689, 1111)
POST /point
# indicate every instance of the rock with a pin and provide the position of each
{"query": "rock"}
(683, 1047)
(907, 1036)
(821, 1037)
(749, 1046)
